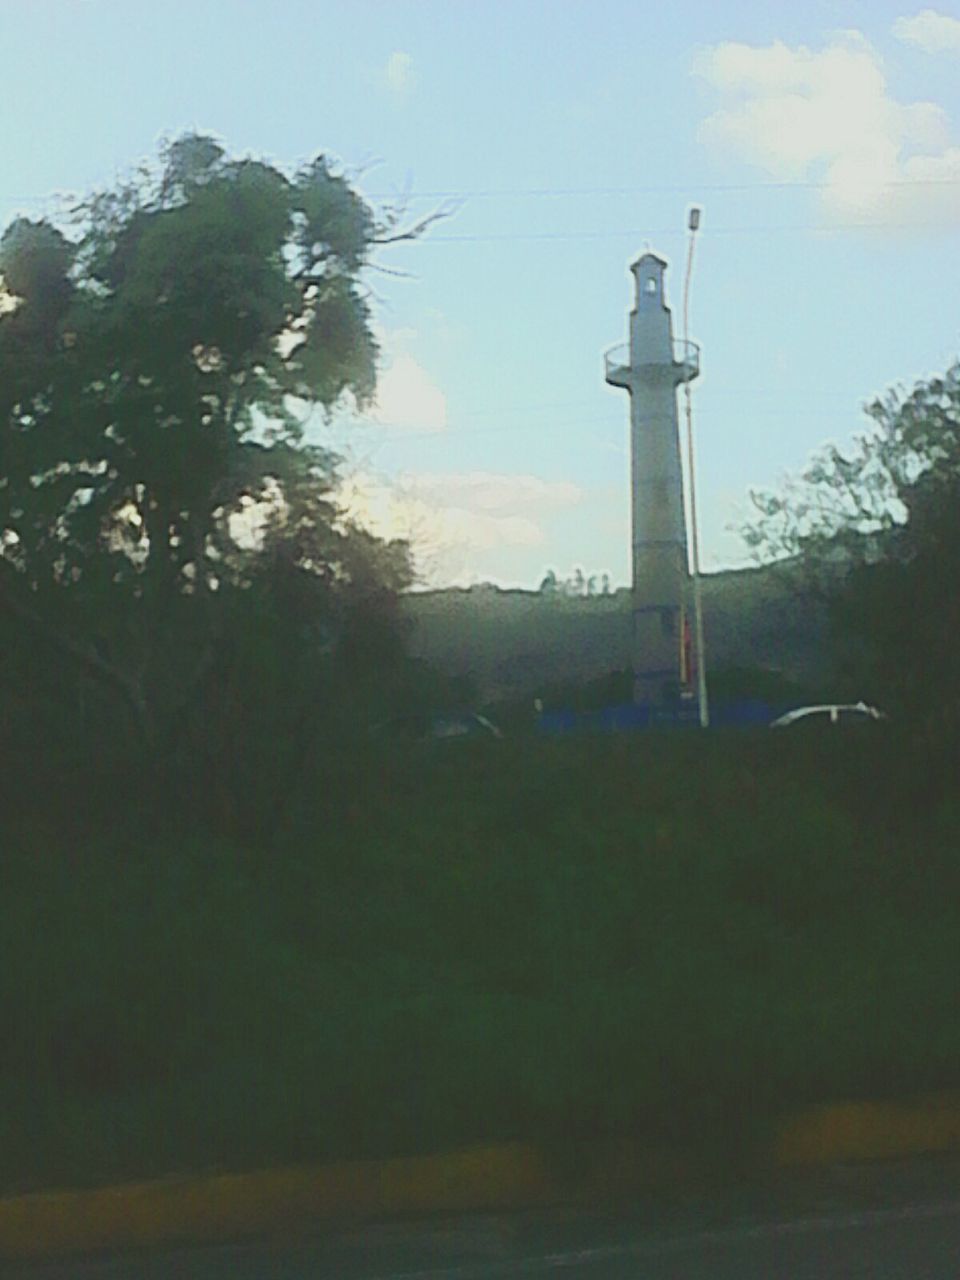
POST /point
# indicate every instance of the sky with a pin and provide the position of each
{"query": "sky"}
(821, 139)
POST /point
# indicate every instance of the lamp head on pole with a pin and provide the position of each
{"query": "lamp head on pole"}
(693, 221)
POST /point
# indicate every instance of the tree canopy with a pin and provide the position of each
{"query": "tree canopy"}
(160, 354)
(855, 505)
(875, 530)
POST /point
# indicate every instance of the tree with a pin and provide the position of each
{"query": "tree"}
(875, 531)
(549, 586)
(156, 368)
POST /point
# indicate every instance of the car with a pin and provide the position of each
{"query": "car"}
(463, 725)
(440, 727)
(841, 714)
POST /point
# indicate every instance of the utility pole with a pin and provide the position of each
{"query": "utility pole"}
(693, 224)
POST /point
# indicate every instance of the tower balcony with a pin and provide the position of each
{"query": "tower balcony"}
(619, 372)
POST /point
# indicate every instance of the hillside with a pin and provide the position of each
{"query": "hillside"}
(518, 642)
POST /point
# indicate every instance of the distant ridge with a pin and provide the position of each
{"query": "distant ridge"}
(512, 642)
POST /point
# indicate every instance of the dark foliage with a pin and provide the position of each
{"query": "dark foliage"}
(185, 611)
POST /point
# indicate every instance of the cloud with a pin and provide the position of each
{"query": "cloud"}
(398, 74)
(408, 398)
(827, 116)
(473, 531)
(931, 31)
(490, 492)
(449, 518)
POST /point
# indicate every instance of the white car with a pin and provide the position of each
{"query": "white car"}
(834, 713)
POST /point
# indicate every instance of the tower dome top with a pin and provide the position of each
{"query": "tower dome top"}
(648, 259)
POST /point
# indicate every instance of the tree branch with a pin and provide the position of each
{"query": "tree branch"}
(387, 234)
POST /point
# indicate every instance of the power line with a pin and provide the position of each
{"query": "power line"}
(590, 402)
(648, 232)
(634, 233)
(396, 434)
(650, 189)
(495, 193)
(519, 407)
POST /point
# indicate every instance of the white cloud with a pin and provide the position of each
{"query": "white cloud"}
(477, 532)
(408, 398)
(827, 116)
(449, 518)
(931, 31)
(491, 492)
(399, 75)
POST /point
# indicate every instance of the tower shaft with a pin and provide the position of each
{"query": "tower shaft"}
(651, 368)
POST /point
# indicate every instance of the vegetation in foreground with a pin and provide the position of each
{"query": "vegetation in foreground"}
(668, 937)
(236, 929)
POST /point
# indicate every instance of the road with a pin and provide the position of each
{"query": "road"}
(887, 1222)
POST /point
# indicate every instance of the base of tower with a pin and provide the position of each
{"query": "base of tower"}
(619, 719)
(661, 689)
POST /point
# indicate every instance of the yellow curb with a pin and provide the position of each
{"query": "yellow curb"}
(504, 1176)
(228, 1206)
(869, 1131)
(486, 1177)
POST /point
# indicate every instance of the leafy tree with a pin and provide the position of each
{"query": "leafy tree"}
(549, 585)
(157, 366)
(875, 531)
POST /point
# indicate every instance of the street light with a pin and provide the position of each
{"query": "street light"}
(693, 223)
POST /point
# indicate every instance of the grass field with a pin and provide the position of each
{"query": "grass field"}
(662, 935)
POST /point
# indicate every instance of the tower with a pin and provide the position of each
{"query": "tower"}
(651, 367)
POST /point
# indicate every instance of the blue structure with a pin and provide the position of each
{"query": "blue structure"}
(628, 717)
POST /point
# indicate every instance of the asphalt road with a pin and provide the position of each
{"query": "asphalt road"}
(887, 1222)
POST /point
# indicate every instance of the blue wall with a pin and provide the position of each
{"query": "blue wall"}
(629, 717)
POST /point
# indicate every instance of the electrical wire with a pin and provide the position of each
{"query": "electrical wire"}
(494, 193)
(648, 189)
(647, 232)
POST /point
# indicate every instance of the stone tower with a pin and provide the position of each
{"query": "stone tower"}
(651, 367)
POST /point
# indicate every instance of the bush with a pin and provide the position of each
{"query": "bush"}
(658, 936)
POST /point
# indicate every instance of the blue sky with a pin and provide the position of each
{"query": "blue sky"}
(822, 140)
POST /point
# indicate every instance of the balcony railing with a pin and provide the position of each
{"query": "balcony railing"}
(686, 356)
(617, 367)
(616, 364)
